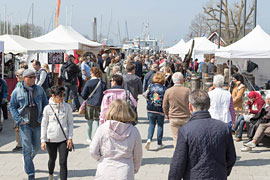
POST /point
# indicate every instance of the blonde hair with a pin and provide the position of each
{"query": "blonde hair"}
(120, 110)
(46, 67)
(159, 78)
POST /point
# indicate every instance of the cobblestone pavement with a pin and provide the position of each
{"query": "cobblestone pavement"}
(253, 165)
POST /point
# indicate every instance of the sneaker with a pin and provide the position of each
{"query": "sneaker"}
(147, 145)
(88, 141)
(238, 139)
(160, 146)
(250, 144)
(246, 149)
(17, 148)
(32, 177)
(51, 177)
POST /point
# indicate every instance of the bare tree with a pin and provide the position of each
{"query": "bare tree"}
(232, 19)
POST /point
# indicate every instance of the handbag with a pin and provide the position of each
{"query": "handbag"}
(82, 108)
(73, 148)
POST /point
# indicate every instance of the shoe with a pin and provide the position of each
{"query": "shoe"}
(147, 145)
(238, 139)
(160, 146)
(51, 177)
(75, 110)
(32, 177)
(88, 141)
(17, 148)
(250, 144)
(246, 149)
(233, 132)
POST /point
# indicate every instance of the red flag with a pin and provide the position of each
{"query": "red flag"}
(57, 12)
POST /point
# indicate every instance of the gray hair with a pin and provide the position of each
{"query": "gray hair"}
(19, 71)
(267, 96)
(177, 77)
(105, 55)
(218, 81)
(200, 100)
(116, 68)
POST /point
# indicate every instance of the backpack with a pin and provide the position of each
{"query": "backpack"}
(67, 74)
(50, 79)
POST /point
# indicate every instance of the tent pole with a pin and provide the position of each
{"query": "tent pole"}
(230, 68)
(3, 64)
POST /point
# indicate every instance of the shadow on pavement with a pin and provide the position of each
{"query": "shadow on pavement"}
(8, 134)
(253, 162)
(82, 173)
(80, 146)
(159, 160)
(154, 140)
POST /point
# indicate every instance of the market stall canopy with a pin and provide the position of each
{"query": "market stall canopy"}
(256, 44)
(17, 44)
(177, 47)
(68, 38)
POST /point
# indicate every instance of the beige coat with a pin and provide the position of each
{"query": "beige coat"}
(237, 95)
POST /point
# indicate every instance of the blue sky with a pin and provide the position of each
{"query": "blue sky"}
(169, 20)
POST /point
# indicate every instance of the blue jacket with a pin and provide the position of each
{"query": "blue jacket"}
(19, 100)
(4, 91)
(148, 78)
(89, 86)
(204, 150)
(155, 98)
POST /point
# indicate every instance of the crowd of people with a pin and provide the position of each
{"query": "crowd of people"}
(202, 123)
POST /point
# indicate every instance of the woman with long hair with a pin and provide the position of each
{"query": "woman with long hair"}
(117, 144)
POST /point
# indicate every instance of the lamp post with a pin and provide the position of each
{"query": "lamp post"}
(220, 17)
(244, 21)
(255, 13)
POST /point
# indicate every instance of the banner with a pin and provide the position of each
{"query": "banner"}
(57, 12)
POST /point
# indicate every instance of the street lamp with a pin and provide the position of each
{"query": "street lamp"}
(255, 13)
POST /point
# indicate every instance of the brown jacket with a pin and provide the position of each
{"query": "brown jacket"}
(237, 95)
(175, 103)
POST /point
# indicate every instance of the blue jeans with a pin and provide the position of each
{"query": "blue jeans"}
(240, 122)
(72, 88)
(153, 119)
(30, 139)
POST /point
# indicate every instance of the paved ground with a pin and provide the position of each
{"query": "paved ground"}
(155, 165)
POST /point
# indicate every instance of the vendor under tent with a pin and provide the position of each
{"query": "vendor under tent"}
(177, 47)
(255, 46)
(69, 39)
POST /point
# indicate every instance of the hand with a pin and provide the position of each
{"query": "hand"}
(22, 123)
(69, 144)
(211, 88)
(43, 146)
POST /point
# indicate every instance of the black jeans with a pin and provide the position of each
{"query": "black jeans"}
(63, 154)
(72, 88)
(4, 109)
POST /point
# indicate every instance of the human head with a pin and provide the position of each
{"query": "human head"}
(253, 95)
(36, 64)
(213, 60)
(159, 78)
(117, 80)
(19, 74)
(236, 77)
(104, 56)
(218, 81)
(29, 77)
(95, 72)
(58, 93)
(178, 78)
(116, 69)
(121, 111)
(168, 70)
(23, 65)
(154, 67)
(267, 99)
(199, 101)
(130, 68)
(71, 58)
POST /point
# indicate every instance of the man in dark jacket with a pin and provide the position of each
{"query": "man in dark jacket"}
(69, 73)
(149, 76)
(132, 82)
(205, 148)
(138, 69)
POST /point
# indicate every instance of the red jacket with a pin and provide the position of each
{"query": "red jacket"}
(257, 105)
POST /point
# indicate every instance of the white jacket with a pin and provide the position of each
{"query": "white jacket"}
(50, 128)
(219, 104)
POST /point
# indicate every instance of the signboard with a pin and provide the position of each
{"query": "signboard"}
(55, 58)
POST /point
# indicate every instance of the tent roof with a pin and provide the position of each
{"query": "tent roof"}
(176, 47)
(256, 44)
(202, 46)
(68, 37)
(17, 44)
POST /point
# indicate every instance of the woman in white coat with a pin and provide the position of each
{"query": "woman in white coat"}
(52, 136)
(117, 144)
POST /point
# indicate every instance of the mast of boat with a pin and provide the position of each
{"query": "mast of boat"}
(119, 35)
(127, 29)
(109, 27)
(100, 33)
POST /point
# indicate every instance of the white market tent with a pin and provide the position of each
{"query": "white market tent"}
(70, 39)
(202, 46)
(255, 46)
(17, 44)
(177, 47)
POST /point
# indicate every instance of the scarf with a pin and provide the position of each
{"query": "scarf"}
(30, 94)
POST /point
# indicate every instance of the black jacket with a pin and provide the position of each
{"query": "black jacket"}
(138, 68)
(155, 98)
(89, 86)
(73, 69)
(204, 150)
